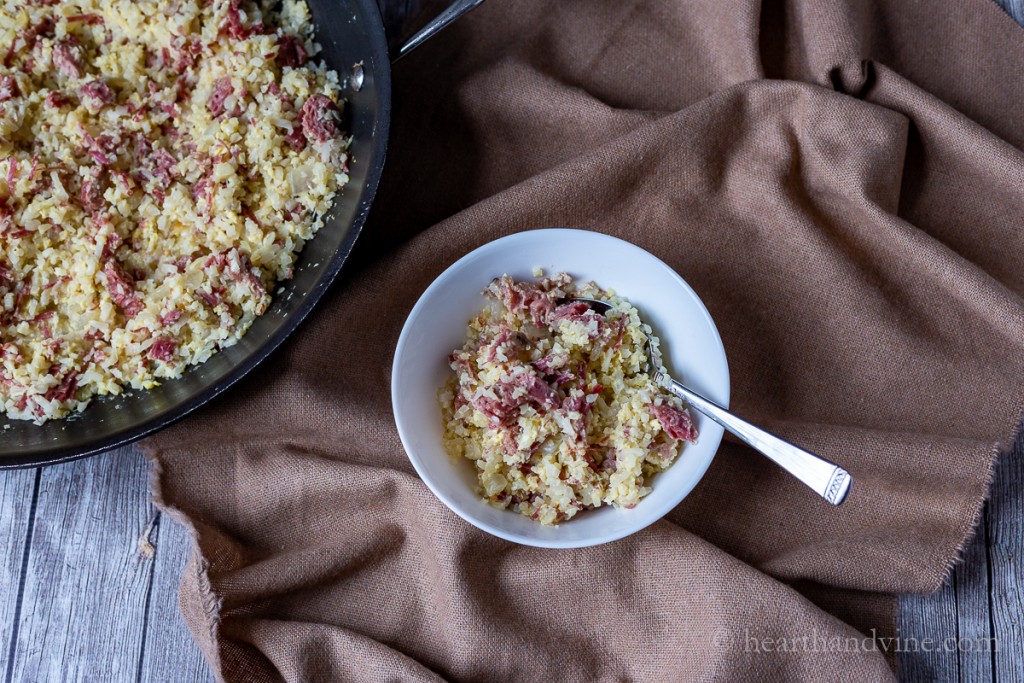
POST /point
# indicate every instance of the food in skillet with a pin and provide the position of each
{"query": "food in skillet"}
(553, 402)
(162, 162)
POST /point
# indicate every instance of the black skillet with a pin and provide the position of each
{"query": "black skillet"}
(351, 33)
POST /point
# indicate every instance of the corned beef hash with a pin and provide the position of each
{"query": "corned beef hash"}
(161, 164)
(553, 402)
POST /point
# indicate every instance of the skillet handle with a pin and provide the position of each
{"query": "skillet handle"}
(450, 14)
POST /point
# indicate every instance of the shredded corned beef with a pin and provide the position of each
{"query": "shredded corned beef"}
(235, 27)
(55, 99)
(526, 296)
(102, 149)
(163, 349)
(319, 118)
(222, 89)
(67, 57)
(122, 289)
(296, 139)
(91, 195)
(170, 317)
(88, 19)
(98, 93)
(505, 345)
(676, 422)
(27, 38)
(290, 51)
(8, 88)
(64, 391)
(577, 311)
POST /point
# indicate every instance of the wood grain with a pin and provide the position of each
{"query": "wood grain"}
(85, 581)
(1005, 527)
(928, 616)
(168, 646)
(17, 491)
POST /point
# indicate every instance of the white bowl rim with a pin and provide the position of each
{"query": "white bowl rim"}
(651, 516)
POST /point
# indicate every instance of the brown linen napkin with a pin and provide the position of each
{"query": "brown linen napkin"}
(841, 184)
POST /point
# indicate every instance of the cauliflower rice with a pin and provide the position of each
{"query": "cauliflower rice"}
(161, 164)
(553, 402)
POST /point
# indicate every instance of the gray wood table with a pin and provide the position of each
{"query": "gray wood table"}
(89, 573)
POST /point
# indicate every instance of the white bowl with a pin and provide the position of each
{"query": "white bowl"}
(436, 326)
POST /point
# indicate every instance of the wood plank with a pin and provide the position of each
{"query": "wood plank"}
(974, 632)
(1006, 554)
(85, 581)
(17, 489)
(1015, 8)
(168, 646)
(928, 616)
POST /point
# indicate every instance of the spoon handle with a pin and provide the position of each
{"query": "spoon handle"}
(828, 480)
(450, 14)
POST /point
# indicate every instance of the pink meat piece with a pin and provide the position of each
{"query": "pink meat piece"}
(161, 163)
(8, 88)
(122, 289)
(28, 38)
(296, 139)
(163, 349)
(560, 378)
(55, 99)
(98, 92)
(222, 89)
(103, 149)
(507, 342)
(576, 404)
(211, 299)
(202, 189)
(319, 118)
(579, 404)
(620, 333)
(233, 25)
(577, 311)
(510, 441)
(536, 389)
(111, 245)
(505, 408)
(186, 54)
(523, 296)
(67, 57)
(170, 317)
(460, 363)
(182, 90)
(569, 311)
(248, 274)
(291, 51)
(64, 391)
(88, 19)
(492, 408)
(676, 422)
(91, 195)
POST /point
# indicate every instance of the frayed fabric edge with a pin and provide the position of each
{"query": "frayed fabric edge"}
(209, 604)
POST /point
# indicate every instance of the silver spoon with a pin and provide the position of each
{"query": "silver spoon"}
(828, 480)
(450, 14)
